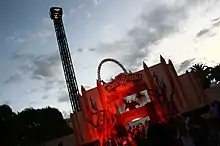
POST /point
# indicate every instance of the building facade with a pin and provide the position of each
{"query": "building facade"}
(146, 88)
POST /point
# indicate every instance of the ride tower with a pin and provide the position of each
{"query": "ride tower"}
(56, 14)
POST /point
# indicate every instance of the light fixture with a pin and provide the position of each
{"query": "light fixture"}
(136, 119)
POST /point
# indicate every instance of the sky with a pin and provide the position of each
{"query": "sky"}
(130, 31)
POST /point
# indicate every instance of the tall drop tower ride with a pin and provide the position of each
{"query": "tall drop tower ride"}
(56, 14)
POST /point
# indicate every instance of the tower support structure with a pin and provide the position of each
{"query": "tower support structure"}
(56, 14)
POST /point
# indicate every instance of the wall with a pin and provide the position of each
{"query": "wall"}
(191, 96)
(179, 96)
(213, 93)
(94, 94)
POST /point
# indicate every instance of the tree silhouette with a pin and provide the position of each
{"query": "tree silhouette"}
(162, 95)
(203, 72)
(6, 125)
(6, 112)
(31, 126)
(215, 73)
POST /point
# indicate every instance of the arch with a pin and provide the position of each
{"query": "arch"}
(109, 60)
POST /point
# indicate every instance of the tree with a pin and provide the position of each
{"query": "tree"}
(6, 112)
(203, 72)
(163, 96)
(215, 73)
(40, 125)
(6, 128)
(31, 126)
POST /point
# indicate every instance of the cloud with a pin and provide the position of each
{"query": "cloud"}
(45, 97)
(45, 67)
(210, 31)
(81, 6)
(14, 79)
(72, 11)
(96, 2)
(32, 103)
(110, 33)
(89, 15)
(54, 84)
(216, 22)
(92, 49)
(202, 32)
(47, 22)
(185, 65)
(42, 35)
(156, 23)
(18, 56)
(66, 114)
(80, 50)
(16, 39)
(7, 102)
(216, 19)
(63, 97)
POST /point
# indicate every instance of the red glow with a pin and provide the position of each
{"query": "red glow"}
(109, 102)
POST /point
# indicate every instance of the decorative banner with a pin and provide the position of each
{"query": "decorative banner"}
(122, 79)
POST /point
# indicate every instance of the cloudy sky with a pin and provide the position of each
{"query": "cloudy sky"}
(131, 31)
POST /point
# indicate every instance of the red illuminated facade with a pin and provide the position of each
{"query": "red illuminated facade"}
(155, 92)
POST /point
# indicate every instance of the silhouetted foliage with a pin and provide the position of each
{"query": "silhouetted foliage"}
(206, 74)
(162, 95)
(215, 73)
(31, 126)
(6, 125)
(203, 72)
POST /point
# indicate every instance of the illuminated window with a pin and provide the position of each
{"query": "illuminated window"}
(57, 10)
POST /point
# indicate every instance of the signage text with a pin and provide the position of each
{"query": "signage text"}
(122, 79)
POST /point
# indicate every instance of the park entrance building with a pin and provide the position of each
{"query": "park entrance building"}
(154, 92)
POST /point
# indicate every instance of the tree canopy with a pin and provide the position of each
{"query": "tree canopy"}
(206, 74)
(31, 126)
(215, 73)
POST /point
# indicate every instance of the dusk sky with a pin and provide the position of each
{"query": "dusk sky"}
(130, 31)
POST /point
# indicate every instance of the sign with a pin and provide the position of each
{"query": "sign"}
(122, 79)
